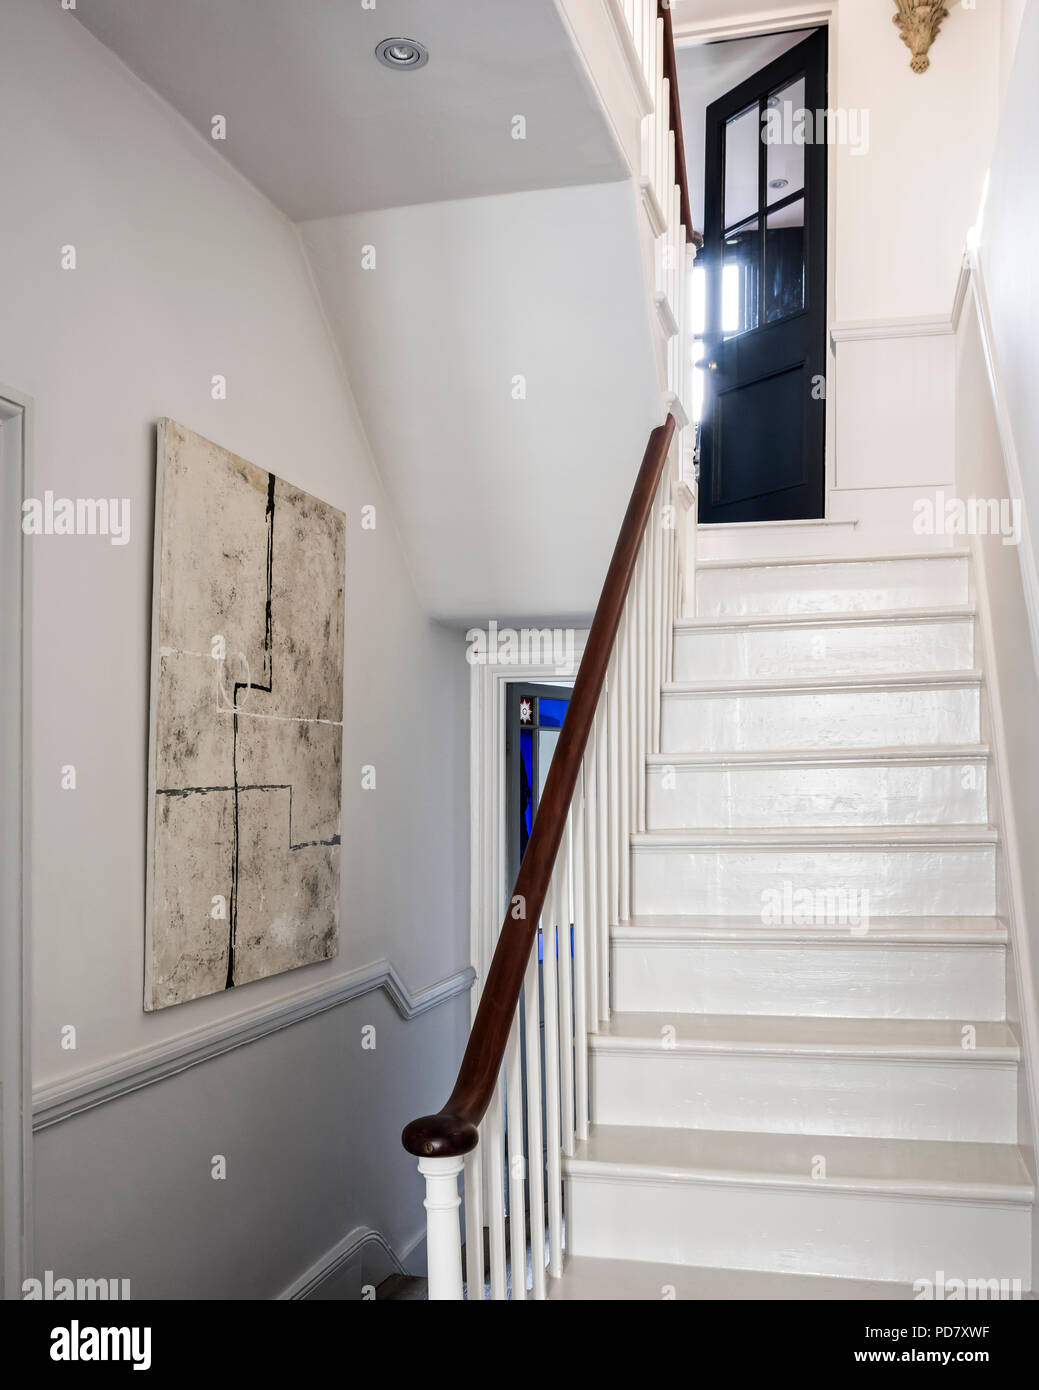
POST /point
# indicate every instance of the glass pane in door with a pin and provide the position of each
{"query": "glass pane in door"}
(742, 144)
(784, 154)
(741, 255)
(785, 261)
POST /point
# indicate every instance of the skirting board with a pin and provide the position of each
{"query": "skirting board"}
(328, 1267)
(97, 1086)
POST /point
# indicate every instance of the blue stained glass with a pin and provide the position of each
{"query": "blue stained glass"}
(551, 713)
(526, 785)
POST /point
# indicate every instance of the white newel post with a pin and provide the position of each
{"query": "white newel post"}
(443, 1233)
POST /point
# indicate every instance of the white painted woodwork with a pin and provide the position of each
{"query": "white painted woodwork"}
(586, 1279)
(837, 712)
(839, 787)
(900, 1079)
(896, 871)
(952, 969)
(444, 1264)
(799, 585)
(852, 644)
(887, 1209)
(912, 439)
(797, 968)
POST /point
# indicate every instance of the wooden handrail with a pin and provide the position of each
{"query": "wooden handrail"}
(453, 1130)
(675, 118)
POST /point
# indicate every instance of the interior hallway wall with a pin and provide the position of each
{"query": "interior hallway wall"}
(182, 273)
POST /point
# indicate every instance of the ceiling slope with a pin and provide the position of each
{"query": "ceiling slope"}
(509, 492)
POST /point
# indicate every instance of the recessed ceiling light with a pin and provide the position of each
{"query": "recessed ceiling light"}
(778, 183)
(402, 53)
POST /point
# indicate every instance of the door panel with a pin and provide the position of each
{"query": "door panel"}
(762, 435)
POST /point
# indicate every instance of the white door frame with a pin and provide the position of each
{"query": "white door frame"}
(691, 32)
(16, 423)
(487, 817)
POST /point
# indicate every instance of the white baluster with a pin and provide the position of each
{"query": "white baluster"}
(494, 1128)
(606, 778)
(641, 666)
(581, 917)
(592, 868)
(660, 97)
(549, 982)
(472, 1185)
(624, 763)
(656, 540)
(517, 1163)
(443, 1235)
(566, 991)
(535, 1146)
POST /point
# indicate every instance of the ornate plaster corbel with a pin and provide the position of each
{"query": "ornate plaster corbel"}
(919, 24)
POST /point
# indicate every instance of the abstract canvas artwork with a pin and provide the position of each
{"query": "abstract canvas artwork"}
(245, 760)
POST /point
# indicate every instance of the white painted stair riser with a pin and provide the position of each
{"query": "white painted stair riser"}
(856, 979)
(820, 648)
(852, 715)
(863, 586)
(678, 875)
(885, 1097)
(802, 1231)
(888, 789)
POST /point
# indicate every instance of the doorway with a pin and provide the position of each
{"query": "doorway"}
(764, 264)
(534, 715)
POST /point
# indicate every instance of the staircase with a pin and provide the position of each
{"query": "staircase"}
(807, 1073)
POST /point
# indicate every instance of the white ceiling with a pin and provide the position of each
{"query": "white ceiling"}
(496, 258)
(508, 508)
(323, 129)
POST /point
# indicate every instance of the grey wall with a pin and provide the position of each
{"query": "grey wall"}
(183, 272)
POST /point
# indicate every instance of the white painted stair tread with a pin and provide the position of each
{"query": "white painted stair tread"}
(787, 685)
(586, 1278)
(908, 1167)
(830, 584)
(825, 1037)
(819, 837)
(953, 612)
(797, 757)
(908, 930)
(867, 558)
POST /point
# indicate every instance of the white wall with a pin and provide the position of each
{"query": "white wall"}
(509, 505)
(985, 468)
(1007, 253)
(1010, 284)
(904, 209)
(185, 271)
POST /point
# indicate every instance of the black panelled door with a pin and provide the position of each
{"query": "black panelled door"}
(762, 434)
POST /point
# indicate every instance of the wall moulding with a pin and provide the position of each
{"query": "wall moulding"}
(72, 1095)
